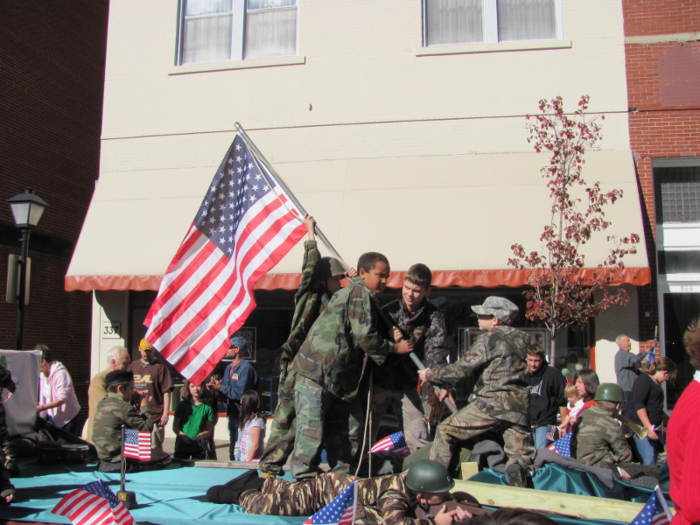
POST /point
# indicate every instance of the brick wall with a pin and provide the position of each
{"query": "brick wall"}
(51, 90)
(659, 17)
(662, 82)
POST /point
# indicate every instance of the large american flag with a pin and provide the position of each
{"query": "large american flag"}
(340, 511)
(242, 230)
(137, 444)
(93, 504)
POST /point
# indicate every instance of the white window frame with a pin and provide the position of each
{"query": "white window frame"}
(490, 25)
(238, 22)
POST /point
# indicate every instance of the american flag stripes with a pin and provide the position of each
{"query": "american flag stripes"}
(341, 511)
(655, 512)
(243, 228)
(562, 445)
(93, 504)
(393, 443)
(137, 444)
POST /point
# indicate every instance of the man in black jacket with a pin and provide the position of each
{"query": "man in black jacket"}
(546, 394)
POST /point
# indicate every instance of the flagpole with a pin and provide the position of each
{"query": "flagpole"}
(660, 496)
(123, 482)
(271, 171)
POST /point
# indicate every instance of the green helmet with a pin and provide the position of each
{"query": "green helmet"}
(427, 475)
(610, 392)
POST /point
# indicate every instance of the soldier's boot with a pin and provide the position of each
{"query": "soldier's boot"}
(515, 475)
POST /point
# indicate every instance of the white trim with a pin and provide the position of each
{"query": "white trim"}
(510, 45)
(675, 162)
(251, 63)
(662, 39)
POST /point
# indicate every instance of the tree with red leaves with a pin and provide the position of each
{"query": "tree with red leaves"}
(561, 293)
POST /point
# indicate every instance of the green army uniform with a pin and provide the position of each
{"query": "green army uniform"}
(113, 412)
(384, 500)
(311, 296)
(599, 440)
(499, 400)
(329, 368)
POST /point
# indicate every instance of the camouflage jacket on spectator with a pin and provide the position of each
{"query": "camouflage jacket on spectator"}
(345, 334)
(113, 412)
(384, 500)
(599, 441)
(427, 332)
(310, 297)
(500, 390)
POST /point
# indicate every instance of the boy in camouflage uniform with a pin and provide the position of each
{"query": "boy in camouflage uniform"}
(598, 438)
(501, 395)
(329, 368)
(8, 460)
(116, 410)
(395, 382)
(320, 280)
(391, 499)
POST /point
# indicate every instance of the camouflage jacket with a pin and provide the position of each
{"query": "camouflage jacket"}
(427, 332)
(6, 381)
(500, 390)
(308, 301)
(341, 340)
(385, 500)
(111, 413)
(599, 441)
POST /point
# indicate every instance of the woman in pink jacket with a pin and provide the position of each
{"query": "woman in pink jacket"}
(57, 401)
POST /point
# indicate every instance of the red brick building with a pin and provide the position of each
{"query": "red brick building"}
(662, 42)
(51, 87)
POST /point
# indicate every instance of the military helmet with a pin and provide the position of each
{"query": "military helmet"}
(427, 475)
(329, 267)
(610, 392)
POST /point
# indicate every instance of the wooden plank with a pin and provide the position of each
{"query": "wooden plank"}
(575, 505)
(469, 469)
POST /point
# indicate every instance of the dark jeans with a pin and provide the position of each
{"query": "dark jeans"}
(233, 423)
(74, 426)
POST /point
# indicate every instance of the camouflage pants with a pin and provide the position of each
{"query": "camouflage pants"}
(470, 422)
(8, 457)
(322, 418)
(279, 497)
(408, 409)
(280, 444)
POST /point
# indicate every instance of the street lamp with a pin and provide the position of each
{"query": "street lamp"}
(27, 209)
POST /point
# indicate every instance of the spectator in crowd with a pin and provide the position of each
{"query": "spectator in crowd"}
(683, 440)
(192, 423)
(57, 401)
(586, 383)
(8, 466)
(211, 397)
(546, 395)
(647, 407)
(251, 432)
(573, 407)
(627, 364)
(239, 377)
(118, 358)
(152, 380)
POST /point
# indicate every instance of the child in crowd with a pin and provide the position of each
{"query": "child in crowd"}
(438, 411)
(211, 396)
(573, 407)
(193, 423)
(251, 437)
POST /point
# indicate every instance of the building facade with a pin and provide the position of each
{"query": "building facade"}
(399, 125)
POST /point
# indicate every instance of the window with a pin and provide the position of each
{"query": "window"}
(489, 21)
(221, 30)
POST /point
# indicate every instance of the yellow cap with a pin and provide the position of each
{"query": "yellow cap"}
(145, 345)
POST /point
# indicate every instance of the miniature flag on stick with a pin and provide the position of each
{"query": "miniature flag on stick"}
(93, 504)
(340, 511)
(655, 512)
(245, 225)
(562, 446)
(393, 443)
(137, 444)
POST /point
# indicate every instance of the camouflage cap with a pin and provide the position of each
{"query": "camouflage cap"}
(330, 267)
(499, 307)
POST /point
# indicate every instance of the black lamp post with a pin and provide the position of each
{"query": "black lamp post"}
(27, 209)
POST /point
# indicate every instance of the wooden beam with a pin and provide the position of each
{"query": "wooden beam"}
(575, 505)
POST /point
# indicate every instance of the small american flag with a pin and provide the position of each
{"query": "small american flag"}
(93, 504)
(137, 444)
(655, 512)
(562, 445)
(243, 228)
(340, 511)
(393, 443)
